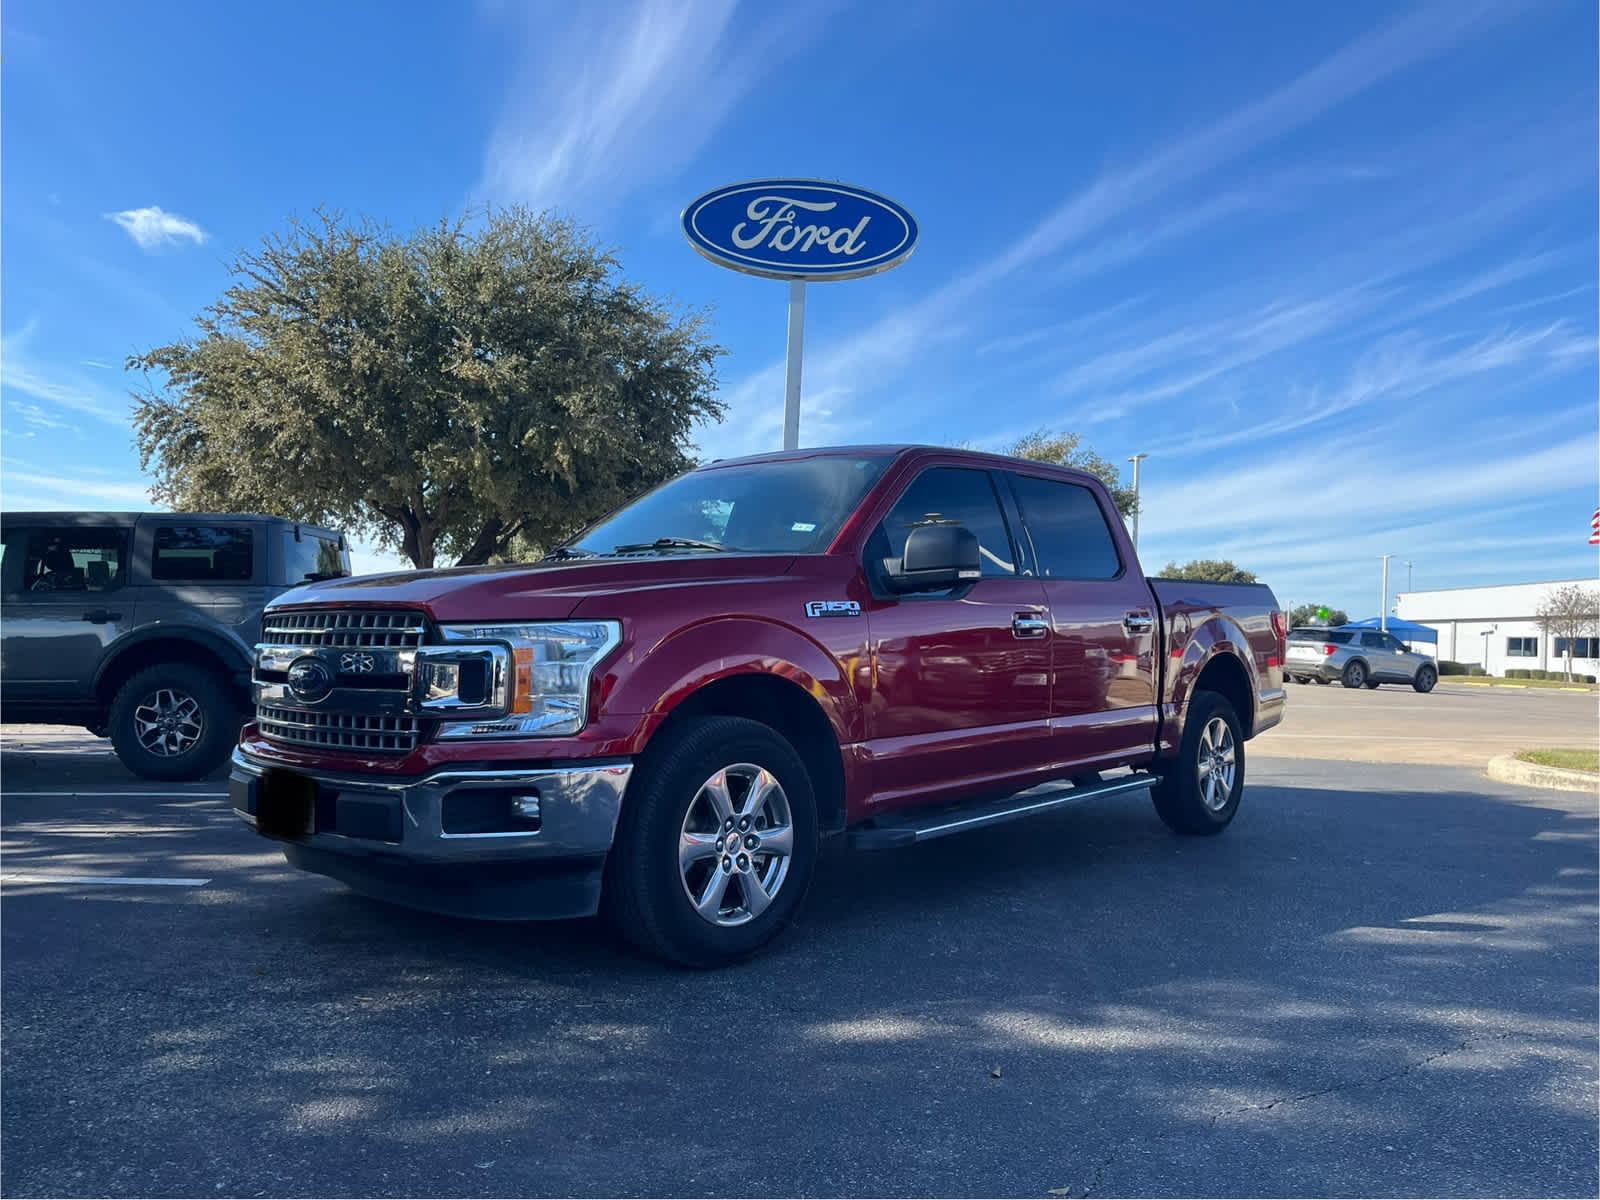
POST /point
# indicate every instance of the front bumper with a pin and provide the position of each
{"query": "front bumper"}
(446, 842)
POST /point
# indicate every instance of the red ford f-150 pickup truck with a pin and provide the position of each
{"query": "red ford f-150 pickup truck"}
(662, 718)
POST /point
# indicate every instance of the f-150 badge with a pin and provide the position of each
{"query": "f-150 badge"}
(833, 608)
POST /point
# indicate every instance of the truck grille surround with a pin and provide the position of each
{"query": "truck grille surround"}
(364, 653)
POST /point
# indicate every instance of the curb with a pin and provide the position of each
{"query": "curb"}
(1507, 768)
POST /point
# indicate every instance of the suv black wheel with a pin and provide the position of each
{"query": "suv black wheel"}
(716, 845)
(173, 722)
(1426, 678)
(1355, 674)
(1199, 793)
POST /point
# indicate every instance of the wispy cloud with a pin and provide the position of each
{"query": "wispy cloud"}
(154, 227)
(97, 365)
(859, 363)
(39, 418)
(618, 96)
(68, 491)
(21, 371)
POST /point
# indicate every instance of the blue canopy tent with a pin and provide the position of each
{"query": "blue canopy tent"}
(1406, 631)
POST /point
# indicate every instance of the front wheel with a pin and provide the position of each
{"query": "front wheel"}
(1199, 794)
(1426, 678)
(717, 843)
(1372, 685)
(1355, 674)
(173, 722)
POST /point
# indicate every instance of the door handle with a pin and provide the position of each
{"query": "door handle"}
(1029, 625)
(99, 616)
(1138, 622)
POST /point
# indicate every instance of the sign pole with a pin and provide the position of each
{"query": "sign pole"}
(797, 337)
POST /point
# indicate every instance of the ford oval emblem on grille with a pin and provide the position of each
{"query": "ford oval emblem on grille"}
(310, 679)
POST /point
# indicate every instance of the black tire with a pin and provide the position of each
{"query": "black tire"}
(1300, 679)
(1321, 681)
(647, 891)
(1372, 685)
(1426, 678)
(1179, 796)
(205, 723)
(1355, 674)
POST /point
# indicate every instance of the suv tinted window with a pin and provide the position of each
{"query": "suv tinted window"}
(214, 553)
(1374, 641)
(1339, 637)
(956, 495)
(1070, 537)
(75, 560)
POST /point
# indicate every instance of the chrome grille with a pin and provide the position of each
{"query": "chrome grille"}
(344, 629)
(339, 731)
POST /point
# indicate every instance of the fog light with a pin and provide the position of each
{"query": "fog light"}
(525, 808)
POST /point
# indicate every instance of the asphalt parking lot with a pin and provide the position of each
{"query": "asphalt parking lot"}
(1380, 981)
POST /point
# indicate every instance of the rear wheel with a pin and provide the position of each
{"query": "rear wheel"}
(1320, 680)
(1199, 794)
(174, 722)
(1355, 674)
(1372, 685)
(1426, 678)
(716, 846)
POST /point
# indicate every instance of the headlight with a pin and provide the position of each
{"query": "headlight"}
(543, 690)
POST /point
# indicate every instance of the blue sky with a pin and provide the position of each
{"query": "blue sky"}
(1332, 267)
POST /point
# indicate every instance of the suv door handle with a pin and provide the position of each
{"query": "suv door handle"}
(1138, 622)
(99, 616)
(1029, 625)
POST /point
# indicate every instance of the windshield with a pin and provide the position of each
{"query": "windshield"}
(794, 507)
(314, 557)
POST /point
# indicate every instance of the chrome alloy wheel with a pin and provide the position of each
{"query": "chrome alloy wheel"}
(734, 847)
(1217, 765)
(168, 722)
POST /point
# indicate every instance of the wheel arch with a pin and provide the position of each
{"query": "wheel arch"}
(790, 711)
(194, 648)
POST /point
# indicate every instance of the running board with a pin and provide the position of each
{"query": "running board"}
(924, 827)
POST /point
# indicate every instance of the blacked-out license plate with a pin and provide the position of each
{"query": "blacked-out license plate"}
(286, 805)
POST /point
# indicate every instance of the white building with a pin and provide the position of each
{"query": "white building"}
(1463, 616)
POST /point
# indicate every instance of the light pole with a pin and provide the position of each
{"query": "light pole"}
(1135, 460)
(1408, 576)
(1487, 634)
(1383, 605)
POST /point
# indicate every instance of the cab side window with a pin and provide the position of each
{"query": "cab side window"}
(957, 495)
(75, 560)
(211, 553)
(1070, 535)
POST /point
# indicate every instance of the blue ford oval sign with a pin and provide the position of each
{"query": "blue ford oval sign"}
(800, 229)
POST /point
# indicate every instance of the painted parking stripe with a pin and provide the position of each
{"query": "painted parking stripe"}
(115, 880)
(151, 795)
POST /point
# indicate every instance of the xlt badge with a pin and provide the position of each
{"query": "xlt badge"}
(833, 608)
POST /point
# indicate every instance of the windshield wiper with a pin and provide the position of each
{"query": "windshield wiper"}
(561, 552)
(672, 543)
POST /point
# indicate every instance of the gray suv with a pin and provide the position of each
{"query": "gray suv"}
(142, 626)
(1356, 658)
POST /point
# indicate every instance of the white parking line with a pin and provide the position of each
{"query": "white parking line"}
(117, 880)
(151, 795)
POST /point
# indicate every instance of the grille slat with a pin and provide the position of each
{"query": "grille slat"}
(344, 630)
(338, 731)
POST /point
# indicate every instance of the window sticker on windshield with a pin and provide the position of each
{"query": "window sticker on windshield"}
(803, 527)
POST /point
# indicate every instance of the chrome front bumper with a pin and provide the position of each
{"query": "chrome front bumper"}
(449, 842)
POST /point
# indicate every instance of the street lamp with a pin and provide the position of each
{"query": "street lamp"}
(1487, 634)
(1383, 604)
(1408, 576)
(1135, 460)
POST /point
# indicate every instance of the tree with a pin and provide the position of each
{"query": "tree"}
(1217, 570)
(1306, 614)
(1569, 612)
(1067, 450)
(449, 391)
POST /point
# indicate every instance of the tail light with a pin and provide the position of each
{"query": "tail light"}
(1328, 649)
(1280, 624)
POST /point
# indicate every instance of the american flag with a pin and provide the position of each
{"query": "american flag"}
(1594, 529)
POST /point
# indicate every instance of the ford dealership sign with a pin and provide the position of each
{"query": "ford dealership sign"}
(800, 229)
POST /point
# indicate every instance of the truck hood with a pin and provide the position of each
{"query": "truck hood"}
(531, 592)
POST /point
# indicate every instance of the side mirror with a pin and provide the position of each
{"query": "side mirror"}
(936, 559)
